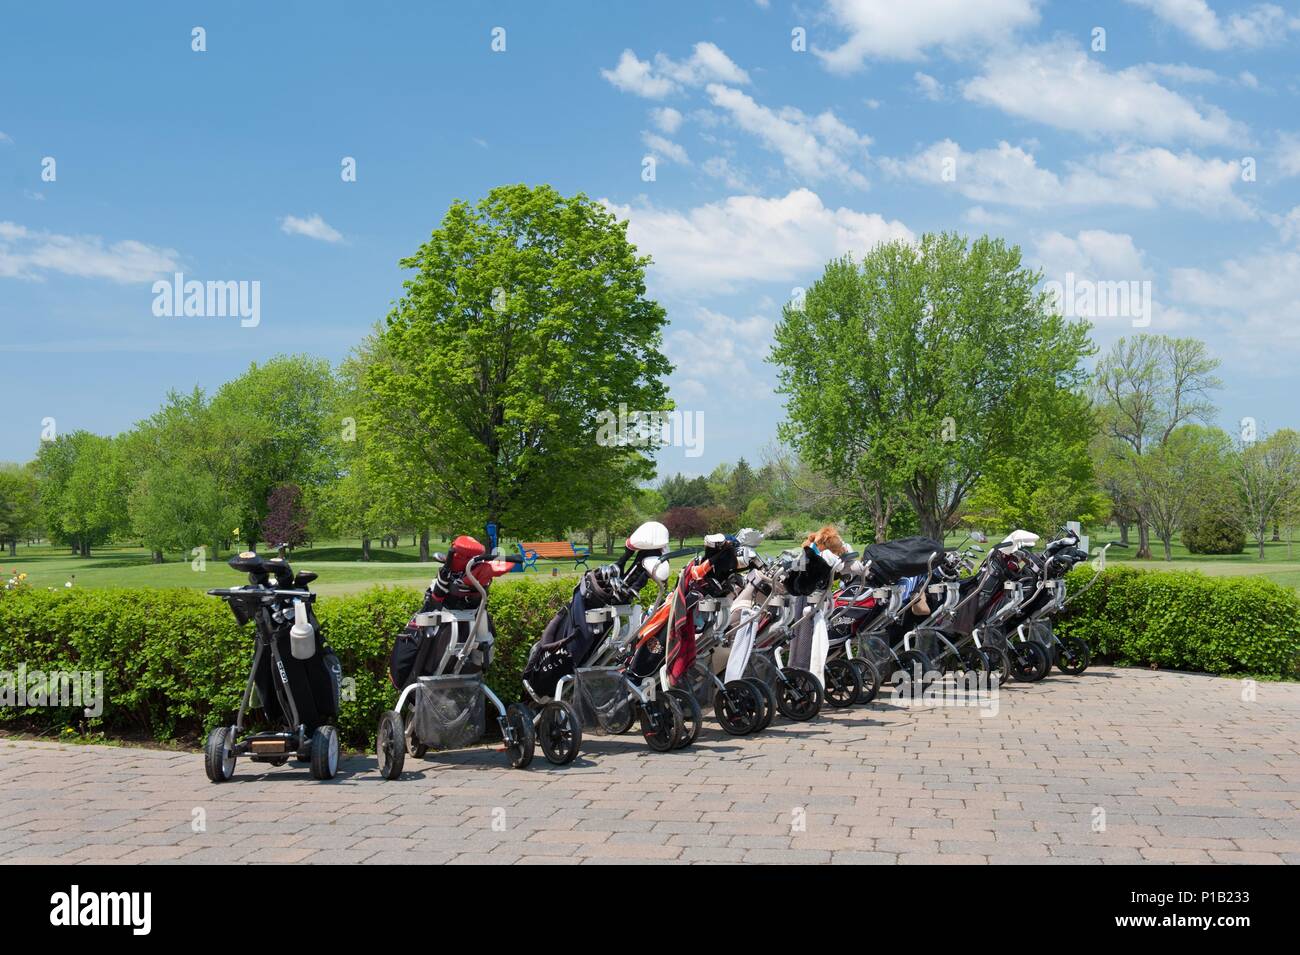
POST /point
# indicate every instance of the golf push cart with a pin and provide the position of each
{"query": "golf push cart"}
(295, 677)
(438, 664)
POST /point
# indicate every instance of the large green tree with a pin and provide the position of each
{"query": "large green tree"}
(1146, 388)
(183, 468)
(1051, 479)
(1267, 473)
(908, 372)
(285, 412)
(526, 318)
(82, 489)
(19, 505)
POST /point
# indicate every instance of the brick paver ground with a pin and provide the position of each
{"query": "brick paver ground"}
(1178, 767)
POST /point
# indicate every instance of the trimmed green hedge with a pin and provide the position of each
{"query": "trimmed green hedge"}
(1183, 620)
(174, 662)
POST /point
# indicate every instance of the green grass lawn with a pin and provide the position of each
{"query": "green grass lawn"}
(342, 571)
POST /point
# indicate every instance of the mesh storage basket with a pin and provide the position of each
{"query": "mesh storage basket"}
(450, 711)
(601, 698)
(762, 666)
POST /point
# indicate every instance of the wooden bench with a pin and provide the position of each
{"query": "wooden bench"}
(553, 550)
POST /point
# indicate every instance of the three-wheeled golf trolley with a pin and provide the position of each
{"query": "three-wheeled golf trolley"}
(295, 677)
(438, 663)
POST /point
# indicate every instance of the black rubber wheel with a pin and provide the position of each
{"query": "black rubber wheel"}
(662, 724)
(769, 702)
(843, 685)
(218, 759)
(1073, 656)
(560, 733)
(1029, 662)
(692, 717)
(618, 729)
(999, 663)
(519, 720)
(390, 745)
(914, 664)
(868, 676)
(738, 707)
(974, 660)
(324, 752)
(414, 748)
(799, 696)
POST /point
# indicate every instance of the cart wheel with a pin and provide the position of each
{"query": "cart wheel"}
(1074, 656)
(624, 724)
(1029, 662)
(218, 756)
(692, 716)
(519, 720)
(324, 752)
(999, 663)
(560, 733)
(739, 708)
(662, 723)
(800, 695)
(414, 747)
(390, 745)
(868, 676)
(973, 659)
(912, 662)
(769, 702)
(843, 685)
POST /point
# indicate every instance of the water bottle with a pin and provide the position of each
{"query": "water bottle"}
(302, 636)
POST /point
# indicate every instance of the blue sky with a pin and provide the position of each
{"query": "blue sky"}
(1122, 164)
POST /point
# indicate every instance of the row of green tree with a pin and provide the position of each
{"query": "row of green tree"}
(926, 385)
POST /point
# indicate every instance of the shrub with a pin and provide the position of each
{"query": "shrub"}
(1214, 534)
(175, 662)
(1184, 620)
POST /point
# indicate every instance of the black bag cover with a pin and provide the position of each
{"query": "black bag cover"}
(550, 659)
(815, 575)
(891, 561)
(314, 682)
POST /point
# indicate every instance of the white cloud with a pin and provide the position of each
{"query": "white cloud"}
(1061, 86)
(713, 248)
(707, 64)
(5, 137)
(313, 227)
(1143, 178)
(28, 254)
(720, 167)
(1287, 156)
(664, 148)
(667, 119)
(928, 86)
(1260, 25)
(812, 147)
(1254, 300)
(712, 351)
(1091, 253)
(887, 30)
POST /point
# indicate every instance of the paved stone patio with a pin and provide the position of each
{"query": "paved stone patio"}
(1183, 769)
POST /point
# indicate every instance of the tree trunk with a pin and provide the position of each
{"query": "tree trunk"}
(157, 557)
(13, 548)
(881, 527)
(1169, 551)
(365, 548)
(1144, 542)
(1123, 533)
(424, 546)
(1277, 532)
(931, 525)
